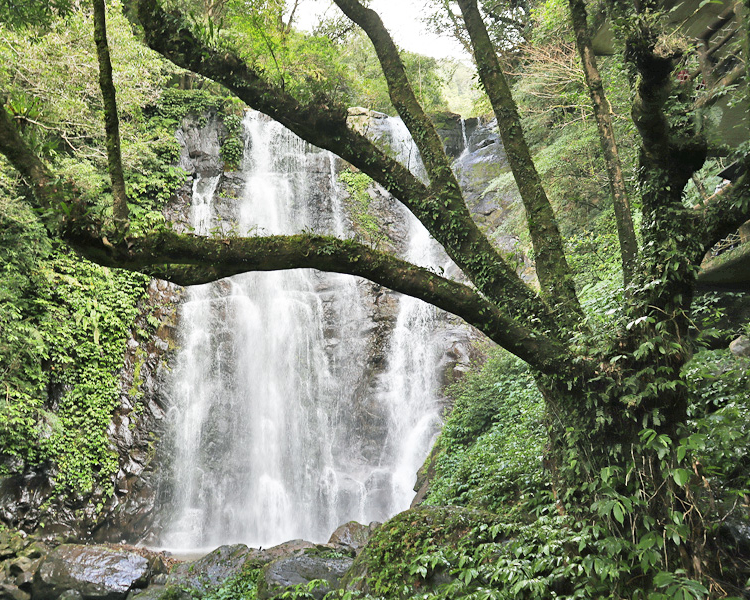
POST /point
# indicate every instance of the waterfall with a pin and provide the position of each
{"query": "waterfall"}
(464, 137)
(277, 430)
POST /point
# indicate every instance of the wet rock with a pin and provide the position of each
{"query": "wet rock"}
(10, 543)
(736, 535)
(285, 549)
(200, 140)
(160, 592)
(96, 572)
(210, 571)
(741, 346)
(301, 569)
(12, 592)
(21, 571)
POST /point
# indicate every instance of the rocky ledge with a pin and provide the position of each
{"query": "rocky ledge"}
(34, 570)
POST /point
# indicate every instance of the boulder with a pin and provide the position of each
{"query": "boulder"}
(160, 592)
(210, 571)
(298, 569)
(352, 536)
(741, 346)
(95, 572)
(12, 592)
(214, 569)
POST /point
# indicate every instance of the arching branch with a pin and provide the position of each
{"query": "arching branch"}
(167, 254)
(190, 259)
(440, 208)
(726, 210)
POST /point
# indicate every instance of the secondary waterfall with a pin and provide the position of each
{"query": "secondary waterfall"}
(278, 430)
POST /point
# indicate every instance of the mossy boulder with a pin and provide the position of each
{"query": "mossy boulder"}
(301, 569)
(384, 567)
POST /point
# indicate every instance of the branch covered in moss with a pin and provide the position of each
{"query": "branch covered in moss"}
(189, 259)
(440, 209)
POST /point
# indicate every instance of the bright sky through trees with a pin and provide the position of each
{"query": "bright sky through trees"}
(403, 18)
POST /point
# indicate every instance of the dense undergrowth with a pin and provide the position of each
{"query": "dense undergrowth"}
(63, 327)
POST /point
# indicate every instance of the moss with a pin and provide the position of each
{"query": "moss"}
(385, 566)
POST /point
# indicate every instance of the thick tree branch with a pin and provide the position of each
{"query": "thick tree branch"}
(551, 266)
(669, 156)
(442, 211)
(402, 96)
(111, 121)
(603, 116)
(166, 254)
(37, 176)
(189, 259)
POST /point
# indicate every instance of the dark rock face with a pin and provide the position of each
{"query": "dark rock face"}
(95, 572)
(294, 570)
(137, 422)
(20, 557)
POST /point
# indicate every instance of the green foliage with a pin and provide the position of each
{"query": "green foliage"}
(32, 13)
(63, 330)
(720, 388)
(358, 202)
(241, 587)
(492, 442)
(233, 147)
(365, 86)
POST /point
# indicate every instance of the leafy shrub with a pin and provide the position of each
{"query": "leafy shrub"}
(492, 442)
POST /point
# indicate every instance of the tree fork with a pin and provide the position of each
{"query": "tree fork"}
(326, 127)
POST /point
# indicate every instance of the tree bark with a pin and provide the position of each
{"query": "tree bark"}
(111, 121)
(602, 114)
(552, 267)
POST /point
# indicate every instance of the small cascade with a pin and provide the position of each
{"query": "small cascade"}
(464, 137)
(277, 431)
(401, 146)
(201, 209)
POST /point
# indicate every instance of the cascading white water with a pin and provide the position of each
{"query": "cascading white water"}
(267, 439)
(411, 377)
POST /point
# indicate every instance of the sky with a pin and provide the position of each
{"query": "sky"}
(401, 17)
